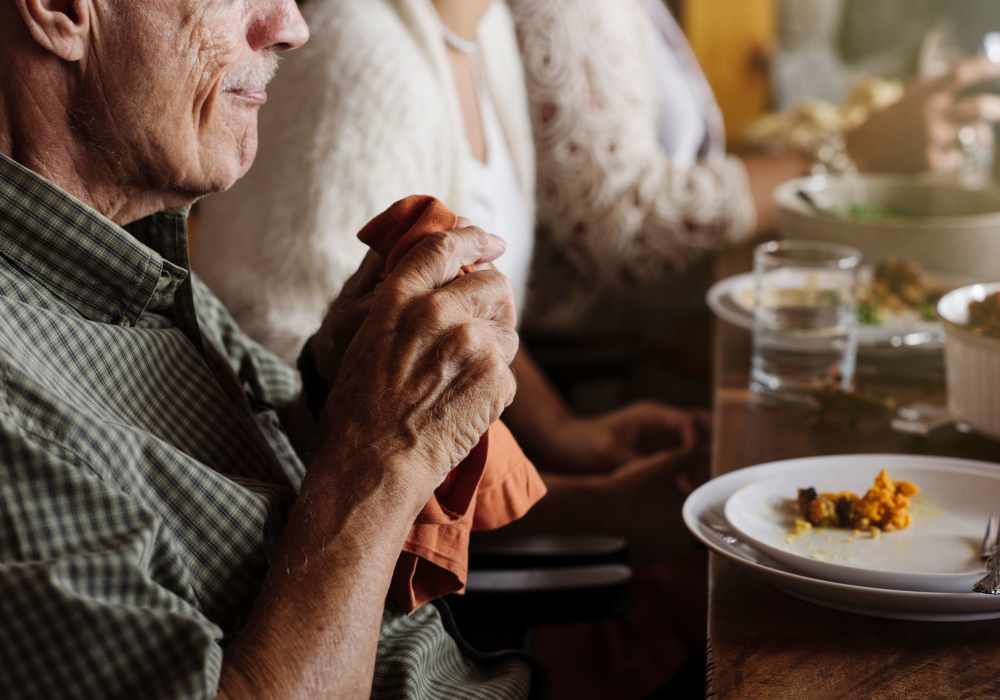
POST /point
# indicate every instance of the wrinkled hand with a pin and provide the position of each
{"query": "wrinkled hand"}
(347, 312)
(605, 442)
(921, 131)
(428, 370)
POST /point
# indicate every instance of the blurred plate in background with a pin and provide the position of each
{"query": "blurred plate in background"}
(732, 300)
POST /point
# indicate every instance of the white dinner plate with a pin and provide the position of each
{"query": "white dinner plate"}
(703, 515)
(732, 300)
(938, 552)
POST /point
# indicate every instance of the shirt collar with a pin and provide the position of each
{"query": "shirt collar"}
(107, 273)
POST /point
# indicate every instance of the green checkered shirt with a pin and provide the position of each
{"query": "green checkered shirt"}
(143, 469)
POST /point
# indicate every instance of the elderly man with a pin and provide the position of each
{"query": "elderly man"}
(151, 540)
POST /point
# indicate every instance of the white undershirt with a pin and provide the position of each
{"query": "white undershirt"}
(497, 201)
(497, 204)
(682, 128)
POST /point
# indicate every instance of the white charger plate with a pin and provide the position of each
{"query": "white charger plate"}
(731, 300)
(703, 515)
(938, 552)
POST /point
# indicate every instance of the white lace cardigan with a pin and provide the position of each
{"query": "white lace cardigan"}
(618, 219)
(365, 114)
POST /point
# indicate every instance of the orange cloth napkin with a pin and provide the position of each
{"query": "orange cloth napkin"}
(495, 485)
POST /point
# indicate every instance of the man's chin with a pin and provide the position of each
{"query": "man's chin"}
(232, 181)
(216, 168)
(192, 191)
(231, 170)
(245, 157)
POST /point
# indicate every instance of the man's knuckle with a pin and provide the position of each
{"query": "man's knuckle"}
(509, 387)
(444, 243)
(512, 338)
(392, 295)
(433, 310)
(422, 315)
(507, 342)
(508, 285)
(496, 366)
(504, 286)
(465, 340)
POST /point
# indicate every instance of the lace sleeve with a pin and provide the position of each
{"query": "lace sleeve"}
(606, 187)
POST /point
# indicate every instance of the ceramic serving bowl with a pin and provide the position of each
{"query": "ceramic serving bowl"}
(972, 362)
(939, 224)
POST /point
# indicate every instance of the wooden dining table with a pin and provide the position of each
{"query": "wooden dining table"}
(765, 644)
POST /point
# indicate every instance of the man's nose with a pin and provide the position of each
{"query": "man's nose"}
(279, 27)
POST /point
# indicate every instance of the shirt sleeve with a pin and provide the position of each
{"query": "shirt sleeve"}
(93, 604)
(607, 189)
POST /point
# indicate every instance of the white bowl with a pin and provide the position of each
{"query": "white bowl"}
(948, 228)
(972, 362)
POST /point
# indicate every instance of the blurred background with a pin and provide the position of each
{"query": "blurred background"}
(763, 56)
(788, 75)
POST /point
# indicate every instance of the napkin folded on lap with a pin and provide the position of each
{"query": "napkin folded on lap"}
(494, 486)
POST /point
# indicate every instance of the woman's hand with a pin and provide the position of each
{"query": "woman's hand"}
(921, 131)
(604, 443)
(645, 500)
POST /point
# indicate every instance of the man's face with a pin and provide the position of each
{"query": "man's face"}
(171, 89)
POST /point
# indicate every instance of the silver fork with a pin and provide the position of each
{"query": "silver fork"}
(990, 584)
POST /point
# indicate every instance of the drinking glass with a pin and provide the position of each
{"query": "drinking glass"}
(805, 318)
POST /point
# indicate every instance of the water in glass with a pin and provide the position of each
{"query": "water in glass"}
(804, 319)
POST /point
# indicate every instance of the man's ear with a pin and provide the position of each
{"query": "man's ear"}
(59, 26)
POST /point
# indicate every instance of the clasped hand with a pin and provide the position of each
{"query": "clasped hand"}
(419, 362)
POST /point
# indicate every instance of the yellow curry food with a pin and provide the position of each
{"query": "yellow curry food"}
(884, 507)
